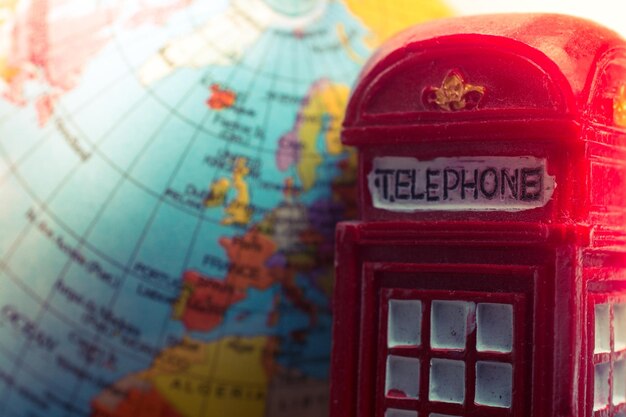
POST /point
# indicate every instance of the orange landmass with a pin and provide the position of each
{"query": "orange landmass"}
(290, 190)
(249, 255)
(221, 98)
(136, 403)
(274, 316)
(222, 378)
(204, 301)
(286, 276)
(207, 302)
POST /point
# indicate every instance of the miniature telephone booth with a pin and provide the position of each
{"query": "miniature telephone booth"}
(487, 273)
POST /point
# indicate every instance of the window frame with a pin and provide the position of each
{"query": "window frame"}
(610, 357)
(470, 355)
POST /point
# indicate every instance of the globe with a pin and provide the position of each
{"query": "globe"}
(171, 173)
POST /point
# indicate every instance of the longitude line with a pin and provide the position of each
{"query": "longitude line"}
(86, 104)
(132, 257)
(254, 79)
(157, 206)
(44, 306)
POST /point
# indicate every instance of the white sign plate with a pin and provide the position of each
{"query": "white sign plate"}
(490, 183)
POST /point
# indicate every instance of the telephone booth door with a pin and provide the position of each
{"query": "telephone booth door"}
(443, 352)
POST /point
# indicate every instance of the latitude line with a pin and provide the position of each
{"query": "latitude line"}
(86, 104)
(222, 331)
(45, 305)
(261, 147)
(132, 258)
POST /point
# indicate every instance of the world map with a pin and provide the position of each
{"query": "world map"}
(171, 173)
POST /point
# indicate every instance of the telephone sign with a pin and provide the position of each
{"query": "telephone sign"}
(460, 183)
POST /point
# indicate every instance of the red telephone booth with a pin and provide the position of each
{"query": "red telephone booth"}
(487, 273)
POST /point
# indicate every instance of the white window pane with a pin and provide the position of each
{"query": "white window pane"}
(494, 384)
(403, 377)
(447, 381)
(619, 326)
(448, 323)
(602, 329)
(601, 386)
(495, 327)
(405, 323)
(619, 382)
(392, 412)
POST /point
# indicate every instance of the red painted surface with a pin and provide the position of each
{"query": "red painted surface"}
(221, 98)
(545, 240)
(208, 301)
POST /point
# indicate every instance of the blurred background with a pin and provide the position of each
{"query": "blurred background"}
(171, 172)
(602, 11)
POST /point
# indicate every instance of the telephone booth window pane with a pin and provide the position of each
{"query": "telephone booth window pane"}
(403, 377)
(449, 324)
(601, 386)
(405, 323)
(602, 329)
(619, 325)
(494, 384)
(447, 381)
(619, 382)
(440, 415)
(495, 327)
(393, 412)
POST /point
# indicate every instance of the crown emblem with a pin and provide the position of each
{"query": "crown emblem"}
(454, 94)
(619, 107)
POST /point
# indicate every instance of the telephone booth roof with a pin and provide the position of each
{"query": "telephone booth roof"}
(518, 68)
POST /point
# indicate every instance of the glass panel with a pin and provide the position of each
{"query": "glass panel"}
(403, 377)
(494, 384)
(619, 326)
(601, 386)
(619, 382)
(393, 412)
(495, 327)
(449, 324)
(602, 329)
(447, 381)
(405, 323)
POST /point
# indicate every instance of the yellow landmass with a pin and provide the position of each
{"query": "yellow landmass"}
(7, 73)
(8, 4)
(228, 377)
(179, 306)
(384, 18)
(217, 193)
(347, 46)
(238, 211)
(7, 10)
(324, 110)
(335, 99)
